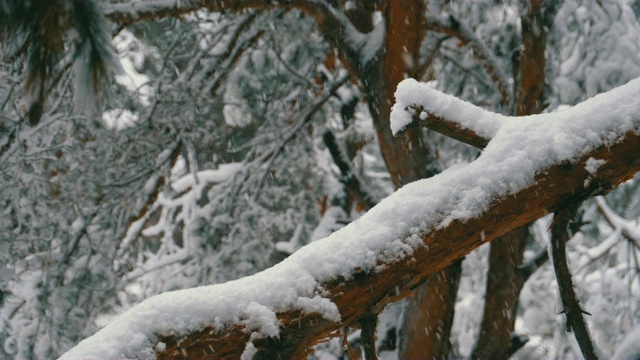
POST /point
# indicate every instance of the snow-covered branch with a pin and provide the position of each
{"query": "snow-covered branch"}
(628, 228)
(421, 117)
(528, 169)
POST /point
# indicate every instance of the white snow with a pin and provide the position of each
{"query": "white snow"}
(592, 166)
(368, 44)
(119, 118)
(521, 148)
(410, 93)
(329, 223)
(289, 247)
(630, 347)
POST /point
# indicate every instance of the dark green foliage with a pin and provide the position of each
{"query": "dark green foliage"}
(41, 31)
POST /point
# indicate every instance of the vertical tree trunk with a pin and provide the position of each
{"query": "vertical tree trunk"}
(503, 282)
(502, 293)
(428, 316)
(409, 158)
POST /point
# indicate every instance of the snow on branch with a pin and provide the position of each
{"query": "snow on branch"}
(530, 168)
(348, 177)
(622, 230)
(418, 104)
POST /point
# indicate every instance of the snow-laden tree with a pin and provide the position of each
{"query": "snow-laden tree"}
(240, 131)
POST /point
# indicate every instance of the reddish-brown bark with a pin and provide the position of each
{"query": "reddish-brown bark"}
(502, 293)
(425, 334)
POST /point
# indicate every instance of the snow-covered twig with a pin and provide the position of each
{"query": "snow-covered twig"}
(149, 194)
(358, 48)
(626, 227)
(420, 104)
(270, 156)
(443, 126)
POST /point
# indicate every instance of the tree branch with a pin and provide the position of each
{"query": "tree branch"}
(452, 27)
(529, 267)
(452, 129)
(332, 22)
(381, 257)
(572, 309)
(368, 335)
(305, 117)
(131, 12)
(417, 104)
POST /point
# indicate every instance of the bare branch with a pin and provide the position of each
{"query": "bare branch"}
(530, 266)
(332, 22)
(368, 335)
(572, 309)
(347, 176)
(452, 27)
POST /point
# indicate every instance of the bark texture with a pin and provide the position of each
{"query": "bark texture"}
(428, 316)
(502, 293)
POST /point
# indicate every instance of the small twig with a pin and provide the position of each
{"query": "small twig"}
(529, 267)
(289, 68)
(516, 342)
(572, 310)
(348, 177)
(346, 345)
(445, 127)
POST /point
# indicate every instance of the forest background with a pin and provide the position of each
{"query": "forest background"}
(235, 134)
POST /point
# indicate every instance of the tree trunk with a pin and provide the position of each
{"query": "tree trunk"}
(503, 280)
(409, 158)
(428, 316)
(502, 292)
